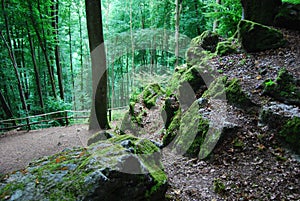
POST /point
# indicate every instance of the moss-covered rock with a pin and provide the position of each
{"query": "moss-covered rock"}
(101, 135)
(284, 88)
(121, 168)
(170, 108)
(225, 48)
(191, 133)
(230, 90)
(172, 129)
(290, 132)
(288, 16)
(256, 37)
(150, 94)
(208, 40)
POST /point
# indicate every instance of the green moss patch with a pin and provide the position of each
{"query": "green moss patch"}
(226, 48)
(283, 88)
(150, 94)
(290, 132)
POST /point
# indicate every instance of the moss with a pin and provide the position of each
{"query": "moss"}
(235, 95)
(208, 40)
(283, 88)
(219, 186)
(192, 132)
(172, 129)
(225, 48)
(290, 132)
(255, 37)
(229, 89)
(150, 94)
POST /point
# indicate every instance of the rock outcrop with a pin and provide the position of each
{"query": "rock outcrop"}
(122, 168)
(256, 37)
(288, 16)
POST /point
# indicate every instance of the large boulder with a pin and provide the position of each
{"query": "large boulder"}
(256, 37)
(208, 40)
(288, 16)
(284, 88)
(260, 11)
(284, 121)
(122, 168)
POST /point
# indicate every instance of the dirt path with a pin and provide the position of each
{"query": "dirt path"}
(19, 148)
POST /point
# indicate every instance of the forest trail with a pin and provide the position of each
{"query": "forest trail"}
(19, 148)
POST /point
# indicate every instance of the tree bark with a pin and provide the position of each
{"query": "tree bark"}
(44, 50)
(178, 5)
(54, 15)
(36, 71)
(98, 117)
(6, 107)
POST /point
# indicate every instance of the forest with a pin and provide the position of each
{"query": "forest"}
(150, 100)
(45, 58)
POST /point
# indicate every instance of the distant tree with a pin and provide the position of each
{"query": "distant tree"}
(99, 72)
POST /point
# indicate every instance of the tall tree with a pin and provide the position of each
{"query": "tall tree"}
(99, 72)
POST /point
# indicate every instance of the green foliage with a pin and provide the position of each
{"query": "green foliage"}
(228, 15)
(219, 186)
(292, 1)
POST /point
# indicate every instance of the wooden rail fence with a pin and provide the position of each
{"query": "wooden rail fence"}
(63, 117)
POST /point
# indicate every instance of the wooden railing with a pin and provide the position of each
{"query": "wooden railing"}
(62, 117)
(59, 117)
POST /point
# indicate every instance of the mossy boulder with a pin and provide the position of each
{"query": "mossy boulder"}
(284, 121)
(172, 129)
(208, 40)
(226, 48)
(256, 37)
(150, 94)
(229, 89)
(189, 83)
(284, 88)
(101, 135)
(121, 168)
(170, 108)
(290, 132)
(288, 16)
(192, 131)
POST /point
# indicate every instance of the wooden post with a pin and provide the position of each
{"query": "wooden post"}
(109, 113)
(66, 116)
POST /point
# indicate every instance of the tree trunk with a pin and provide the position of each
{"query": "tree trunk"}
(54, 15)
(99, 71)
(178, 5)
(13, 60)
(44, 49)
(6, 107)
(261, 11)
(71, 60)
(36, 71)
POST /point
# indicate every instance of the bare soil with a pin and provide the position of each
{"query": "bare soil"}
(19, 148)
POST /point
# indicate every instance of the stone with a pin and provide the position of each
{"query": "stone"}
(101, 135)
(208, 40)
(225, 48)
(108, 170)
(284, 121)
(288, 16)
(256, 37)
(285, 88)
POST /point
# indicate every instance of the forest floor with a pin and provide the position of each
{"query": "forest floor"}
(256, 168)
